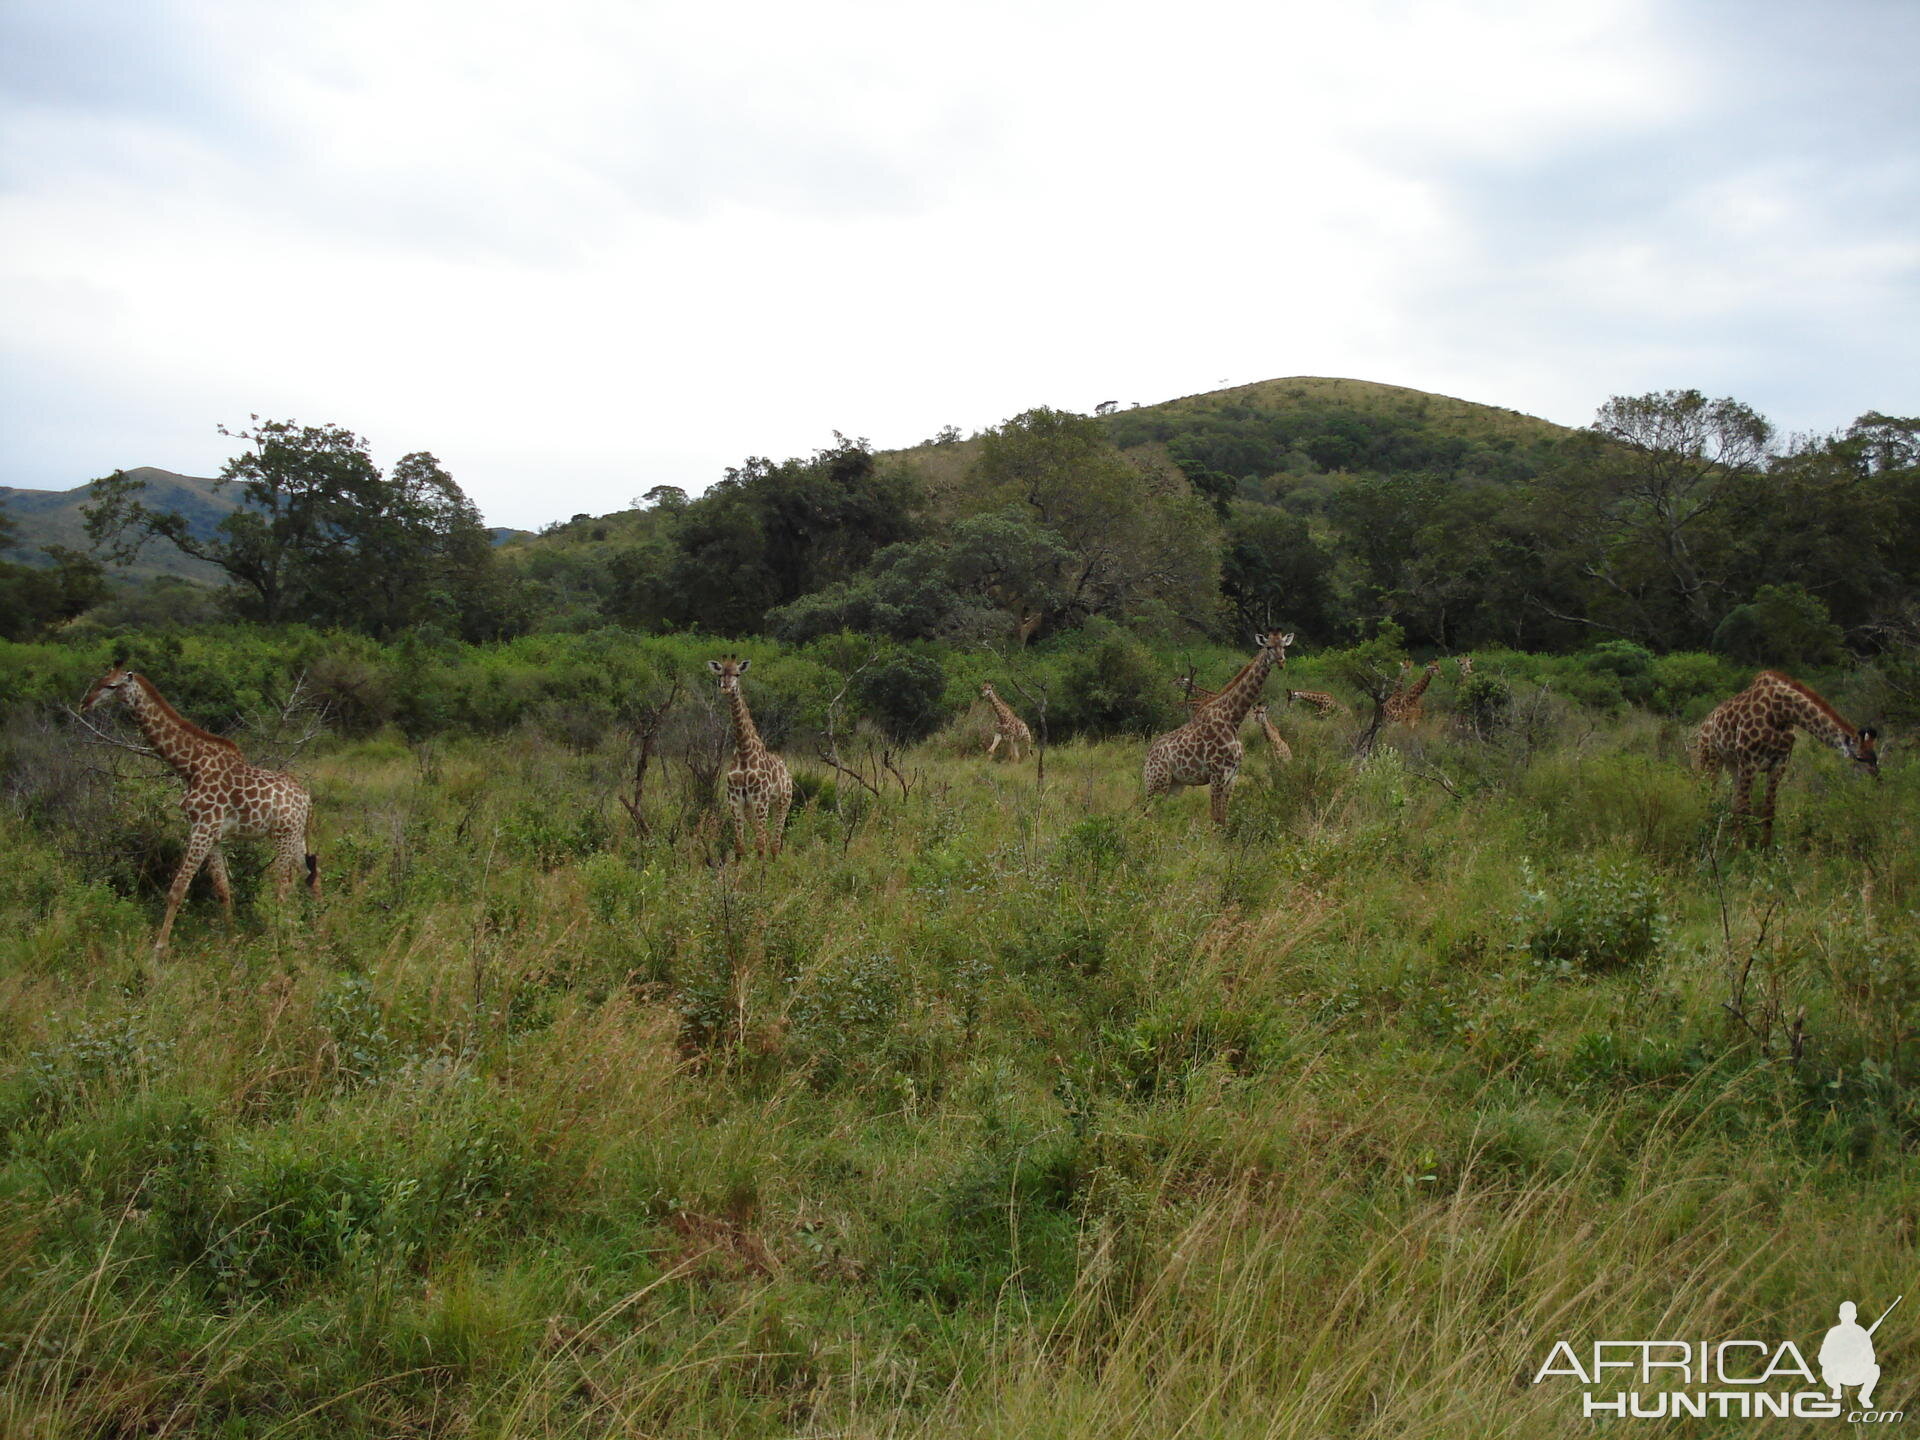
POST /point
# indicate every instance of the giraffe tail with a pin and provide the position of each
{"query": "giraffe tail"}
(313, 875)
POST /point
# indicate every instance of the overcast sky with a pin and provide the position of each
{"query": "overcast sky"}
(581, 248)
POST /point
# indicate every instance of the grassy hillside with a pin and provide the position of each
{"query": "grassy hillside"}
(992, 1108)
(1262, 426)
(52, 517)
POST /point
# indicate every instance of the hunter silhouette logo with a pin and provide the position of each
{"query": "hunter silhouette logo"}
(1731, 1379)
(1846, 1355)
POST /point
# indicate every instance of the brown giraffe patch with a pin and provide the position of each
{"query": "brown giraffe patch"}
(225, 797)
(1752, 734)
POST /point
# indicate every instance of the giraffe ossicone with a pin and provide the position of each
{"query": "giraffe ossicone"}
(225, 796)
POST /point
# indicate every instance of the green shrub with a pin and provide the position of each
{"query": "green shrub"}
(904, 695)
(1602, 919)
(1112, 685)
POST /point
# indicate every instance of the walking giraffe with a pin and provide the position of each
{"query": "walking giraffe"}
(1281, 750)
(225, 796)
(1207, 750)
(1007, 726)
(1404, 706)
(1752, 734)
(758, 784)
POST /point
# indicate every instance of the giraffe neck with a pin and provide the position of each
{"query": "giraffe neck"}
(179, 742)
(1420, 685)
(1238, 695)
(1814, 715)
(746, 739)
(1001, 710)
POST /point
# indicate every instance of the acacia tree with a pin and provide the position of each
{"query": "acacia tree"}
(321, 534)
(1647, 502)
(1133, 536)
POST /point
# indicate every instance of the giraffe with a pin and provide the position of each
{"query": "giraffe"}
(1465, 664)
(1207, 749)
(1192, 694)
(1281, 750)
(758, 785)
(1322, 702)
(225, 796)
(1007, 726)
(1752, 733)
(1404, 706)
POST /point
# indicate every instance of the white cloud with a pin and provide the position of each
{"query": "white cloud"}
(586, 249)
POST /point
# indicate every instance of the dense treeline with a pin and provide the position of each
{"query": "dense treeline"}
(1675, 522)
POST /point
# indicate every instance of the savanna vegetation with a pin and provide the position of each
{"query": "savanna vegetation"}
(999, 1104)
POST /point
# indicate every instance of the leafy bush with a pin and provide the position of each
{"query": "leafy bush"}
(1112, 685)
(1604, 919)
(903, 694)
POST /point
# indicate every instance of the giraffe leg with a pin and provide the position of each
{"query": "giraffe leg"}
(1742, 792)
(217, 874)
(199, 845)
(993, 744)
(288, 852)
(1769, 786)
(778, 821)
(737, 803)
(1013, 749)
(1217, 795)
(760, 826)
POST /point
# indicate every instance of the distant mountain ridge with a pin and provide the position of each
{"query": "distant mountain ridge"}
(1209, 427)
(52, 517)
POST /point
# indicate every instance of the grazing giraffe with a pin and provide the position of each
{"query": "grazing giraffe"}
(1404, 706)
(1322, 702)
(758, 784)
(225, 796)
(1007, 726)
(1752, 733)
(1281, 750)
(1207, 750)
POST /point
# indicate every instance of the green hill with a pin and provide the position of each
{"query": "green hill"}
(52, 517)
(1300, 425)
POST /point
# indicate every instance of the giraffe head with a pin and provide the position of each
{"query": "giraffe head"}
(729, 670)
(1465, 662)
(986, 690)
(1276, 642)
(1864, 749)
(112, 685)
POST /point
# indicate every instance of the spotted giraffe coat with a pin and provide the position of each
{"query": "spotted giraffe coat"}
(225, 796)
(759, 789)
(1007, 726)
(1207, 749)
(1752, 735)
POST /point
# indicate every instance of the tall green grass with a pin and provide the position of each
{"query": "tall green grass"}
(989, 1108)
